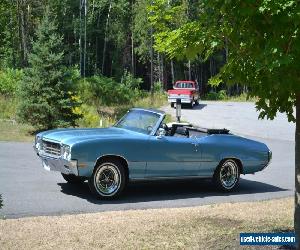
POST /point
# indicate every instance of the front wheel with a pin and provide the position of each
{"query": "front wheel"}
(227, 175)
(108, 180)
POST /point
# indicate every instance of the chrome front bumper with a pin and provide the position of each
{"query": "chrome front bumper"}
(183, 100)
(58, 164)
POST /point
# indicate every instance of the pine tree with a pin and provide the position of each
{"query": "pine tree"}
(47, 98)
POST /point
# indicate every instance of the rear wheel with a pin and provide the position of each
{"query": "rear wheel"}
(227, 175)
(71, 178)
(172, 104)
(108, 180)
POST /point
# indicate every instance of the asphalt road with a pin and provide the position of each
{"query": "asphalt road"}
(28, 190)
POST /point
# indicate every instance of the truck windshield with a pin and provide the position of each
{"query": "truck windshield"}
(184, 85)
(141, 121)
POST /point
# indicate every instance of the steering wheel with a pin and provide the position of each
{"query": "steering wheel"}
(149, 129)
(166, 128)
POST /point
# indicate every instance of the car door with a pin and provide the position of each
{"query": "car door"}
(209, 148)
(170, 156)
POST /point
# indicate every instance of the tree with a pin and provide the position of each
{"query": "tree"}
(262, 38)
(47, 99)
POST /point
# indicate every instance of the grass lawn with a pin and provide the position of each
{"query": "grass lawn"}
(15, 132)
(203, 227)
(10, 131)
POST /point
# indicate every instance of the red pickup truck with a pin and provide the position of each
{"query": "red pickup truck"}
(187, 91)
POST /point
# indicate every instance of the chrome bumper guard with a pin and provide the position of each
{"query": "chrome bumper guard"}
(183, 100)
(58, 164)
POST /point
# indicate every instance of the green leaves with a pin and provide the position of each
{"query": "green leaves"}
(101, 90)
(10, 80)
(262, 41)
(47, 93)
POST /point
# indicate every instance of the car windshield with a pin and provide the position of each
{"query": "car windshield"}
(141, 121)
(184, 85)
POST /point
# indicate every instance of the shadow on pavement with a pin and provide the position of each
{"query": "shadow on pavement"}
(200, 106)
(171, 190)
(196, 107)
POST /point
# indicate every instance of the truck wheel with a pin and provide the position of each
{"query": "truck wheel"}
(227, 175)
(191, 105)
(197, 102)
(108, 179)
(172, 104)
(73, 179)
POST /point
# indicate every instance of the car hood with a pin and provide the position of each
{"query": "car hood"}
(71, 136)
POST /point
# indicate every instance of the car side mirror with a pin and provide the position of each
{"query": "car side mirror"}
(161, 133)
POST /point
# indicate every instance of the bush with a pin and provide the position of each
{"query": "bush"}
(10, 81)
(158, 87)
(221, 95)
(130, 81)
(90, 117)
(101, 90)
(8, 107)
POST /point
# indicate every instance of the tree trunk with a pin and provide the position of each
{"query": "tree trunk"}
(105, 37)
(151, 65)
(159, 68)
(172, 72)
(190, 71)
(21, 6)
(297, 172)
(132, 56)
(163, 72)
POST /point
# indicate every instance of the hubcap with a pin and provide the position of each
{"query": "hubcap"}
(107, 179)
(228, 174)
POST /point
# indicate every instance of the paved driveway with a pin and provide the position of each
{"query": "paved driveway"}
(28, 189)
(240, 117)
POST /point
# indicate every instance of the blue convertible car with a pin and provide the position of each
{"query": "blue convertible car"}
(142, 147)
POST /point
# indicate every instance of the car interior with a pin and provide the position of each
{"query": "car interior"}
(189, 131)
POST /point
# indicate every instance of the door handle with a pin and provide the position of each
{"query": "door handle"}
(196, 146)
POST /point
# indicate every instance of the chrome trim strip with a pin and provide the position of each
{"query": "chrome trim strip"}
(156, 127)
(171, 178)
(112, 156)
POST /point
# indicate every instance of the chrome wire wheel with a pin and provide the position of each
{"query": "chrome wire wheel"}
(107, 179)
(229, 174)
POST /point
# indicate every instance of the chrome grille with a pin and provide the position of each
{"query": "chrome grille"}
(51, 148)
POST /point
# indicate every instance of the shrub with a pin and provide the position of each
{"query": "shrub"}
(101, 90)
(8, 107)
(130, 81)
(158, 87)
(10, 81)
(90, 117)
(221, 95)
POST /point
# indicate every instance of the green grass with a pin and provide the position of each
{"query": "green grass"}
(222, 96)
(215, 226)
(8, 107)
(104, 116)
(15, 132)
(94, 116)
